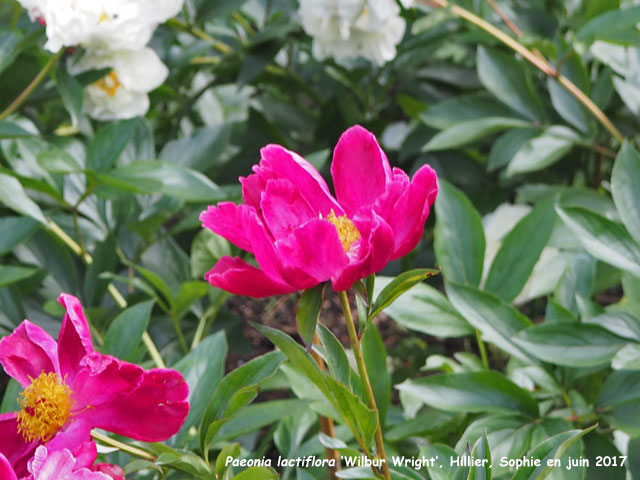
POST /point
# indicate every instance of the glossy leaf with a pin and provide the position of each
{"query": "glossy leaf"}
(398, 286)
(625, 188)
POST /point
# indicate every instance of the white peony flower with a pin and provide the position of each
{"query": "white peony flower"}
(348, 29)
(123, 92)
(103, 24)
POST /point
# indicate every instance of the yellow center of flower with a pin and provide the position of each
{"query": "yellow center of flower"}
(45, 406)
(110, 83)
(347, 231)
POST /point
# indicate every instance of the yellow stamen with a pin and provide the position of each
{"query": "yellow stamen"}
(45, 406)
(110, 83)
(103, 17)
(347, 231)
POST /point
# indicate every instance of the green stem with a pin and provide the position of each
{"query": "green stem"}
(366, 383)
(537, 60)
(113, 291)
(207, 318)
(483, 350)
(19, 100)
(198, 33)
(123, 446)
(176, 326)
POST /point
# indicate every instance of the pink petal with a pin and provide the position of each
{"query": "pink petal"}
(27, 352)
(412, 209)
(74, 341)
(252, 188)
(225, 220)
(279, 163)
(113, 471)
(284, 208)
(360, 169)
(376, 248)
(315, 248)
(75, 436)
(238, 277)
(53, 465)
(152, 412)
(263, 245)
(6, 472)
(13, 446)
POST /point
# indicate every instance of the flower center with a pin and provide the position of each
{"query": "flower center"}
(347, 231)
(45, 406)
(110, 83)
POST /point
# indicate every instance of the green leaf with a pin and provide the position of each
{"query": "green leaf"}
(15, 230)
(336, 357)
(609, 23)
(571, 345)
(104, 261)
(464, 133)
(567, 106)
(505, 77)
(251, 374)
(11, 274)
(543, 150)
(10, 397)
(399, 285)
(495, 319)
(361, 420)
(602, 238)
(375, 359)
(176, 181)
(442, 469)
(70, 92)
(472, 392)
(257, 473)
(459, 236)
(207, 248)
(507, 145)
(519, 252)
(204, 149)
(10, 46)
(307, 313)
(109, 143)
(463, 108)
(625, 188)
(56, 160)
(233, 451)
(186, 462)
(622, 324)
(424, 309)
(202, 368)
(555, 447)
(11, 130)
(125, 332)
(256, 416)
(189, 292)
(619, 400)
(13, 196)
(481, 454)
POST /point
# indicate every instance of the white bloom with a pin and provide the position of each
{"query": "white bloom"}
(123, 92)
(104, 24)
(348, 29)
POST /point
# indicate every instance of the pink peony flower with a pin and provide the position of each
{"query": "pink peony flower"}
(69, 389)
(301, 235)
(115, 472)
(45, 465)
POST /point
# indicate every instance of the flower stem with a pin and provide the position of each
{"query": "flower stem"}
(537, 60)
(198, 33)
(483, 350)
(366, 383)
(113, 291)
(42, 74)
(122, 446)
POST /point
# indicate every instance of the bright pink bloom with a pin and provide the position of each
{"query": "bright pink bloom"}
(301, 235)
(45, 465)
(70, 389)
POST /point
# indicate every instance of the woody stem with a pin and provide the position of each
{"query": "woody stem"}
(366, 383)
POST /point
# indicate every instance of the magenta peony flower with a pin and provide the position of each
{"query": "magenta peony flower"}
(301, 235)
(69, 389)
(45, 465)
